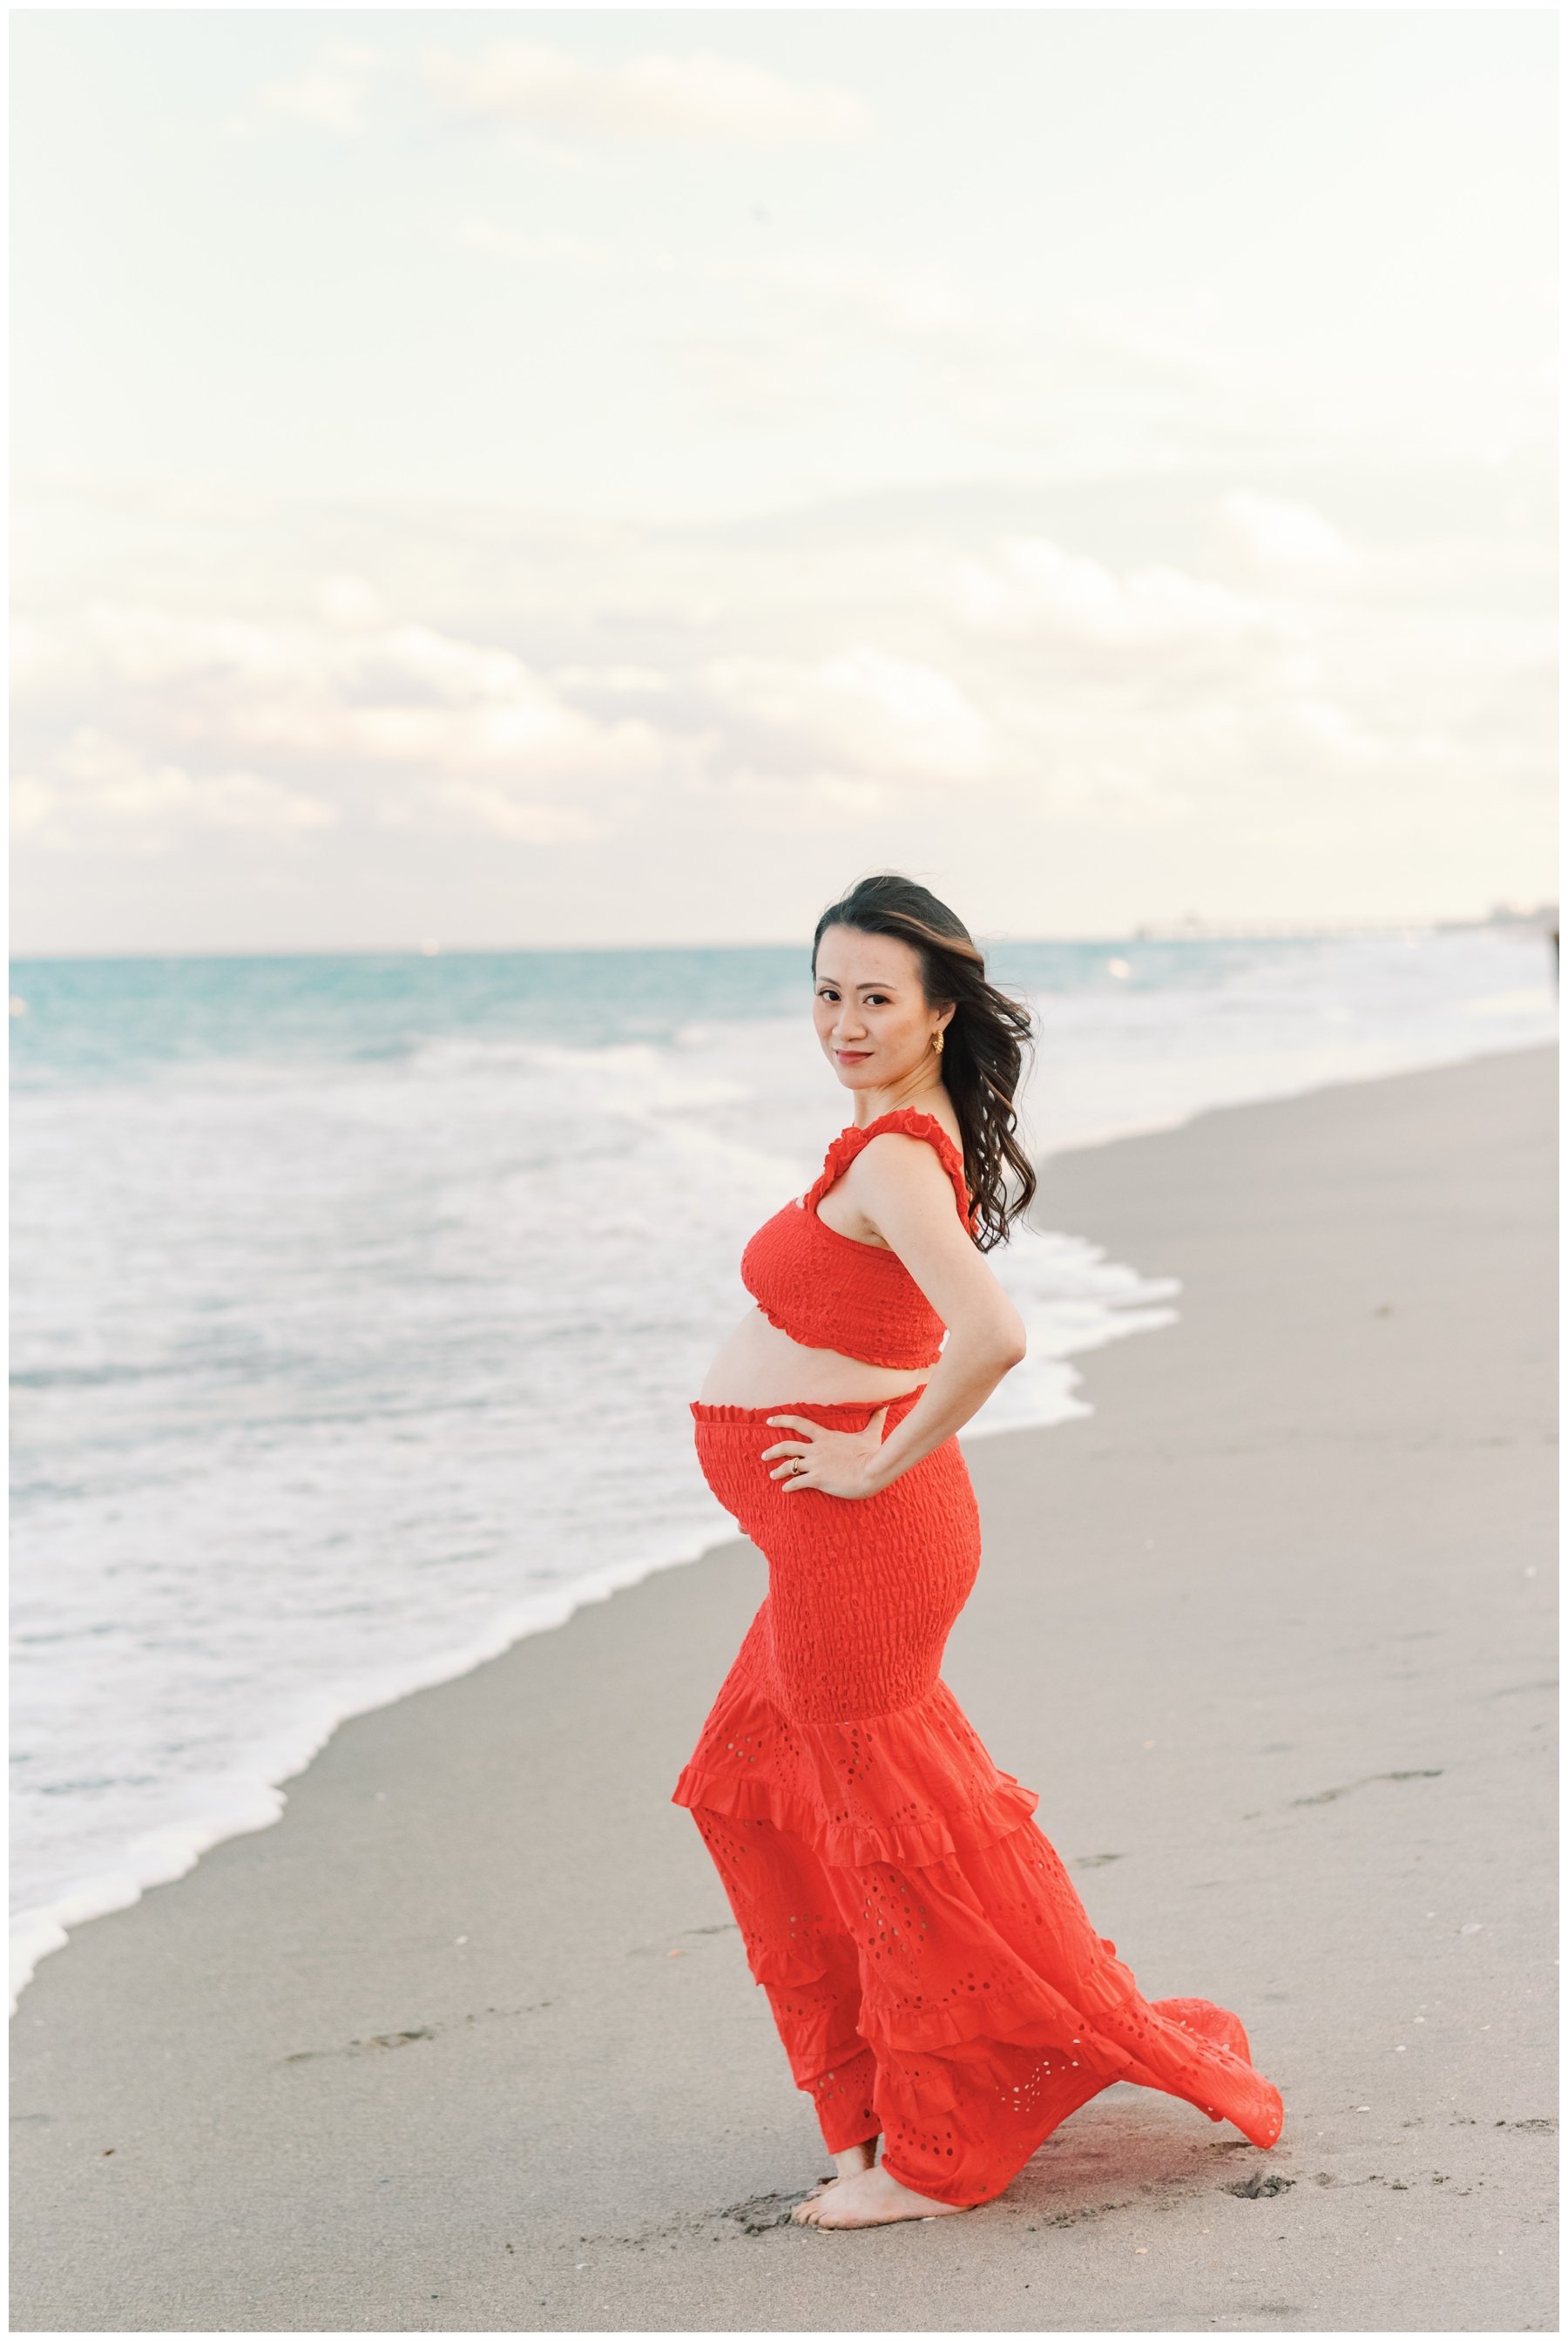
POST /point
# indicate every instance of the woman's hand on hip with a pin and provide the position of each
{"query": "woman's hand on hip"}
(835, 1463)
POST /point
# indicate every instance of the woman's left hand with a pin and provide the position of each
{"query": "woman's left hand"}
(834, 1462)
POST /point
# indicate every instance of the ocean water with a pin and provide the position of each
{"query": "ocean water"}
(357, 1302)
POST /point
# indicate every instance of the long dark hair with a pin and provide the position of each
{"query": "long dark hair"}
(984, 1044)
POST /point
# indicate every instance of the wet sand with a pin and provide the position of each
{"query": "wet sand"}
(466, 2040)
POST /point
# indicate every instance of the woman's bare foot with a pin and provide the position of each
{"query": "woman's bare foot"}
(850, 2162)
(868, 2198)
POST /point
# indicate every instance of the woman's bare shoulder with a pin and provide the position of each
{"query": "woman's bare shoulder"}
(903, 1162)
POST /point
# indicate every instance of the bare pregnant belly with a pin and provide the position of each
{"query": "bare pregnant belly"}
(760, 1365)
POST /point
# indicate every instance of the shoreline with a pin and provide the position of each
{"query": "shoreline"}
(398, 2009)
(170, 1850)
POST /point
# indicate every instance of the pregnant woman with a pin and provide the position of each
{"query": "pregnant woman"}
(934, 1977)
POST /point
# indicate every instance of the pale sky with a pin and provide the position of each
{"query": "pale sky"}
(537, 476)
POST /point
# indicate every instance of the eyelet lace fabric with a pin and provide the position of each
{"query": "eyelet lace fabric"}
(831, 1292)
(932, 1970)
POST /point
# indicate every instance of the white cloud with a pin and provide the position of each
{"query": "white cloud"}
(249, 800)
(357, 693)
(541, 247)
(863, 710)
(1281, 536)
(531, 733)
(691, 98)
(41, 663)
(348, 601)
(413, 663)
(141, 645)
(785, 315)
(332, 95)
(881, 671)
(635, 680)
(1093, 781)
(482, 809)
(806, 802)
(1115, 342)
(104, 793)
(841, 290)
(1030, 588)
(1337, 733)
(903, 300)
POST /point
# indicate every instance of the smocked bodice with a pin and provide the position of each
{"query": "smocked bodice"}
(829, 1291)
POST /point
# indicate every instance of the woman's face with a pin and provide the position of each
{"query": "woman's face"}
(870, 1011)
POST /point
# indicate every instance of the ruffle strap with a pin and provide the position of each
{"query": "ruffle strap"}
(912, 1123)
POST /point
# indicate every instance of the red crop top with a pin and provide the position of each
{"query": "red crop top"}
(830, 1291)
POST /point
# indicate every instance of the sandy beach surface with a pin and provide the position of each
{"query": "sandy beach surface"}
(467, 2042)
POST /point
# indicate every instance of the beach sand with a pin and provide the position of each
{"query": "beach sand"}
(466, 2041)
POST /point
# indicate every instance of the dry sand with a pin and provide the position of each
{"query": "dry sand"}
(466, 2041)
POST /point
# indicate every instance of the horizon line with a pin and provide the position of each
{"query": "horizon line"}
(1192, 928)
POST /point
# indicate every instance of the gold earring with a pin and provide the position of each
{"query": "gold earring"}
(936, 1042)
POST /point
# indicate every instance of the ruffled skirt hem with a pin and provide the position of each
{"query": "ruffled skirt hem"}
(914, 1786)
(850, 1844)
(958, 1903)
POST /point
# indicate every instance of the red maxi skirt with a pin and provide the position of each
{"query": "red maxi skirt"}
(933, 1975)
